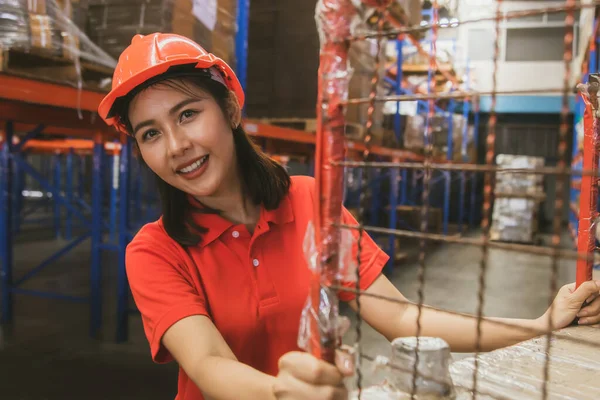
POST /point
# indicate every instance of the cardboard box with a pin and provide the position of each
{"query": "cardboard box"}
(41, 31)
(112, 23)
(36, 6)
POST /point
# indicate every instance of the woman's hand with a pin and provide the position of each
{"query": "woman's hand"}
(304, 377)
(569, 303)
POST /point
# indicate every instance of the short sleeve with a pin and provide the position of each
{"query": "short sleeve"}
(162, 288)
(372, 258)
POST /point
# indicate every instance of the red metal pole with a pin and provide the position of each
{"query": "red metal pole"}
(589, 183)
(333, 20)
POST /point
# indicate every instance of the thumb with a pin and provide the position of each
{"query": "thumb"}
(583, 292)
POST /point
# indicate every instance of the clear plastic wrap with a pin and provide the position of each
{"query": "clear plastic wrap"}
(517, 372)
(40, 39)
(511, 373)
(14, 31)
(433, 380)
(112, 23)
(346, 271)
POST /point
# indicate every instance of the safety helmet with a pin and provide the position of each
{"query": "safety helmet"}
(149, 57)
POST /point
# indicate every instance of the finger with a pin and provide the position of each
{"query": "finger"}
(585, 290)
(592, 298)
(344, 360)
(589, 320)
(591, 309)
(309, 369)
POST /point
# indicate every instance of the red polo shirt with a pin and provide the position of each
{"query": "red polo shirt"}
(253, 287)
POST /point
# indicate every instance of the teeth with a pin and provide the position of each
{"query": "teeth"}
(194, 166)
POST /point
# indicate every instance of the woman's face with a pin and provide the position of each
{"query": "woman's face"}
(184, 137)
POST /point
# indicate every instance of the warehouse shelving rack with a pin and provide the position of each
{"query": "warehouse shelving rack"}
(62, 165)
(43, 108)
(399, 194)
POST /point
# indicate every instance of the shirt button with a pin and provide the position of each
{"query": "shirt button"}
(235, 234)
(255, 262)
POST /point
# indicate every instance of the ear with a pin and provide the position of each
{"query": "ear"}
(234, 111)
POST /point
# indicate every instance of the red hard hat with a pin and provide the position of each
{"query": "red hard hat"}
(152, 55)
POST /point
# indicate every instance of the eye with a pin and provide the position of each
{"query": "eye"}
(149, 134)
(187, 114)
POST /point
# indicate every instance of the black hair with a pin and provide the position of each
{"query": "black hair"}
(264, 181)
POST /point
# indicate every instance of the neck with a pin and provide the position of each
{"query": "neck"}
(234, 205)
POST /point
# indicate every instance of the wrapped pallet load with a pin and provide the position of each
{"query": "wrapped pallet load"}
(14, 24)
(112, 23)
(518, 197)
(37, 25)
(45, 39)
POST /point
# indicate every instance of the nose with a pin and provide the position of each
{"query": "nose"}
(178, 143)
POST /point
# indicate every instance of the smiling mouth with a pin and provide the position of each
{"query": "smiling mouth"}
(193, 167)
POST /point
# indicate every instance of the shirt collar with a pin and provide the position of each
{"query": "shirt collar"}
(217, 225)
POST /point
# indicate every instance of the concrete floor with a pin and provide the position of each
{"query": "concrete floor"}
(47, 354)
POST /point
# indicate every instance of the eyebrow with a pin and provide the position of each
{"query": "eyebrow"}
(172, 111)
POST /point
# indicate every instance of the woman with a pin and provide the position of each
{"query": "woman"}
(221, 279)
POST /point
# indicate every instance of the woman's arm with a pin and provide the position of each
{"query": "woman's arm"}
(400, 320)
(201, 351)
(206, 358)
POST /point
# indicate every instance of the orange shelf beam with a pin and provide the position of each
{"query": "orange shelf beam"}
(57, 118)
(30, 102)
(17, 88)
(291, 135)
(258, 129)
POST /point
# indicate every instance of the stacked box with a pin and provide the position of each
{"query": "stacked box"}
(41, 31)
(39, 24)
(113, 23)
(514, 218)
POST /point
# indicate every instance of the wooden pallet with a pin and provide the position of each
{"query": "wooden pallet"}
(45, 65)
